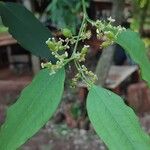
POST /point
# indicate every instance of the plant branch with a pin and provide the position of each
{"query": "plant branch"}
(77, 64)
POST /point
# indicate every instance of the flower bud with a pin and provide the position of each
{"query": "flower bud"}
(109, 35)
(105, 44)
(51, 45)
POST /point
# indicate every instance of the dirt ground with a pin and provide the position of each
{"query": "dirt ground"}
(56, 137)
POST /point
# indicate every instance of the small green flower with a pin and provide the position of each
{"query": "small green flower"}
(110, 19)
(46, 65)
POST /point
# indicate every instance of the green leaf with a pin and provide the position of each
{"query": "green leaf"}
(135, 47)
(33, 109)
(115, 122)
(26, 29)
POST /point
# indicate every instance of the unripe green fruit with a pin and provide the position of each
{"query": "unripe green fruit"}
(67, 33)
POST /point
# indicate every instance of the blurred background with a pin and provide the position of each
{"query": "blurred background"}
(70, 128)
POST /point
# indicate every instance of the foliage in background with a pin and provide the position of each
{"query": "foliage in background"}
(141, 20)
(65, 14)
(147, 45)
(1, 21)
(141, 11)
(2, 27)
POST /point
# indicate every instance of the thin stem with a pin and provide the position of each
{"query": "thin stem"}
(90, 21)
(82, 26)
(87, 81)
(78, 38)
(68, 60)
(84, 7)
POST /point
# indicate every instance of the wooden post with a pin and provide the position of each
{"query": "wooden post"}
(8, 48)
(35, 60)
(104, 65)
(27, 4)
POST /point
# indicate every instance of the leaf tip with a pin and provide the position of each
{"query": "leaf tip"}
(1, 4)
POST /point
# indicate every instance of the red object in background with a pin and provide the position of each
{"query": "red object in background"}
(138, 97)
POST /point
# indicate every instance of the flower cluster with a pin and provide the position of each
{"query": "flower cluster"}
(55, 47)
(89, 74)
(76, 78)
(84, 74)
(105, 31)
(83, 53)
